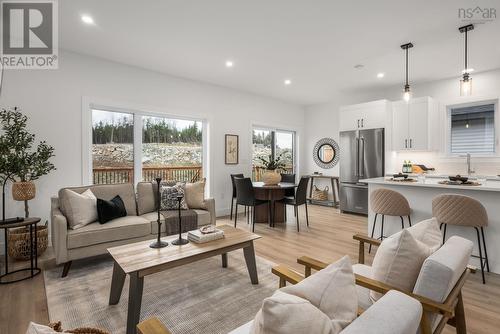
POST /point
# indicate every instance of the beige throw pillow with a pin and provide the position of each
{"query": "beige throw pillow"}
(325, 302)
(283, 313)
(398, 261)
(81, 209)
(333, 291)
(428, 232)
(195, 195)
(39, 329)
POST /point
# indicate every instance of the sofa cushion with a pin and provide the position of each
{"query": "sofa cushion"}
(104, 191)
(283, 313)
(441, 271)
(81, 208)
(117, 229)
(203, 218)
(398, 261)
(364, 300)
(333, 291)
(195, 195)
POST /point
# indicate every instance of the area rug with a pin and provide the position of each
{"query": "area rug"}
(201, 297)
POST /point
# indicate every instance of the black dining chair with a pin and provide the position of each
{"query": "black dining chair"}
(299, 199)
(245, 195)
(233, 197)
(288, 178)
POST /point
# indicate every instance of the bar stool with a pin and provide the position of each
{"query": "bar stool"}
(388, 202)
(460, 210)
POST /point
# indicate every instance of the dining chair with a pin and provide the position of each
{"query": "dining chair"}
(288, 178)
(233, 197)
(299, 199)
(245, 195)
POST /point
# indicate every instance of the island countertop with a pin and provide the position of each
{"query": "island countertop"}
(420, 194)
(433, 182)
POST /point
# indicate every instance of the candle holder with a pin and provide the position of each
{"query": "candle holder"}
(180, 241)
(158, 243)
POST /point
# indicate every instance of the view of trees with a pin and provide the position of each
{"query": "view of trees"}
(154, 131)
(262, 137)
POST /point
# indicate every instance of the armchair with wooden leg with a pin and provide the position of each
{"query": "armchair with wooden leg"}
(438, 287)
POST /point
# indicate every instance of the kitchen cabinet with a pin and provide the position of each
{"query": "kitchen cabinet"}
(413, 124)
(370, 115)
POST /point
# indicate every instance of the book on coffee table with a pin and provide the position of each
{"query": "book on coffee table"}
(198, 237)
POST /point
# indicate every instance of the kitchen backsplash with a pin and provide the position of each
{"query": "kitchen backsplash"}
(445, 165)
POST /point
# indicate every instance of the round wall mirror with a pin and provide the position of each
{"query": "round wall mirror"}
(326, 153)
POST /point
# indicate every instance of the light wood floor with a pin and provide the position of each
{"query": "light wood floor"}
(328, 238)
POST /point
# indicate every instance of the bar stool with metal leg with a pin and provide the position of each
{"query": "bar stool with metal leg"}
(460, 210)
(388, 202)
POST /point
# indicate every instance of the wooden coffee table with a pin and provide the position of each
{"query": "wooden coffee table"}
(139, 260)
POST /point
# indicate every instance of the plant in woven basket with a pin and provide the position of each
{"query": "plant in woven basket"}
(271, 177)
(20, 161)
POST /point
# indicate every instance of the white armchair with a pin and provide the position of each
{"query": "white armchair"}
(394, 313)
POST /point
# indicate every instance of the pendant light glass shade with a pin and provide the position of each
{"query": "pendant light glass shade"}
(406, 91)
(407, 94)
(466, 87)
(466, 82)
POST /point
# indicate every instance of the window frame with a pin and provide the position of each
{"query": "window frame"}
(273, 131)
(472, 103)
(138, 112)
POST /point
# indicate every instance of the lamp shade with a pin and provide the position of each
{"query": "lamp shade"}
(466, 87)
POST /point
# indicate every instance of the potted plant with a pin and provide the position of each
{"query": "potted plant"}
(20, 161)
(272, 166)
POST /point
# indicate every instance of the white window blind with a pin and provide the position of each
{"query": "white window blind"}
(473, 129)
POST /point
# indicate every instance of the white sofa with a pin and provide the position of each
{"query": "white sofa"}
(394, 313)
(94, 239)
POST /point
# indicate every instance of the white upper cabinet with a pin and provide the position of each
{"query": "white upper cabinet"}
(370, 115)
(413, 124)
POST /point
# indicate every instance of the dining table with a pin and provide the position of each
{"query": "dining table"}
(271, 193)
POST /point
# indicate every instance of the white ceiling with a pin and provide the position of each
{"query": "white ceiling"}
(315, 43)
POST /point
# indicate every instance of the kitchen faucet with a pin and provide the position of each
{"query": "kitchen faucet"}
(469, 169)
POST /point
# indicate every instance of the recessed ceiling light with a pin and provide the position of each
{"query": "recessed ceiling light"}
(380, 75)
(87, 19)
(229, 63)
(287, 82)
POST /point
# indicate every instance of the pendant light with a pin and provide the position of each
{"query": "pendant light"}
(406, 92)
(466, 82)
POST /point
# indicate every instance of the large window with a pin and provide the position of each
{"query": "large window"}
(274, 143)
(473, 129)
(168, 148)
(112, 147)
(171, 149)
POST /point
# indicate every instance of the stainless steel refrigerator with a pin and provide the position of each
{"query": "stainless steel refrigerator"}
(362, 157)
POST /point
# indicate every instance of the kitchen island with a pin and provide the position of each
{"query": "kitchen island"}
(420, 194)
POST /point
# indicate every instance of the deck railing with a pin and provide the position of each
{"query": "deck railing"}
(106, 175)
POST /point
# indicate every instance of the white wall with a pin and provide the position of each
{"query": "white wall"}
(322, 120)
(53, 102)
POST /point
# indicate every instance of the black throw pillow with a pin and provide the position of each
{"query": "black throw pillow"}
(109, 210)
